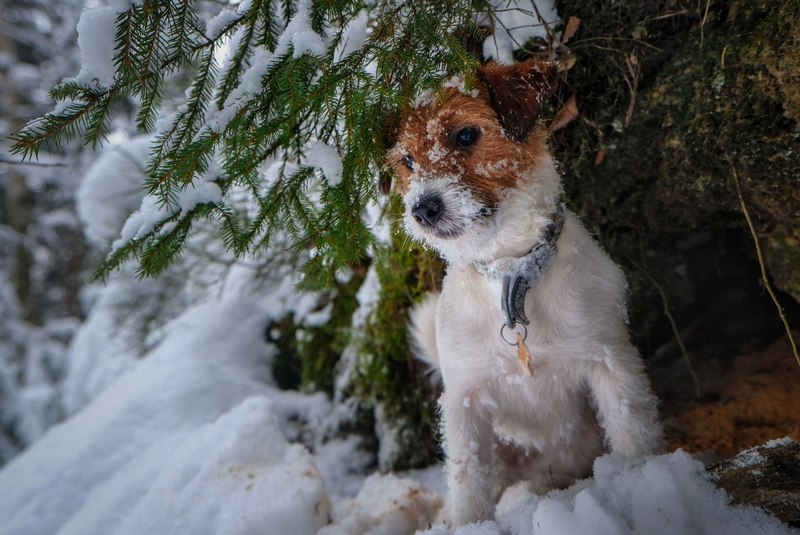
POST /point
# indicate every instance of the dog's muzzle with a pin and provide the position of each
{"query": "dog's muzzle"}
(427, 210)
(440, 208)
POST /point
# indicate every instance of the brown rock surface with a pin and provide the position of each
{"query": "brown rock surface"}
(766, 476)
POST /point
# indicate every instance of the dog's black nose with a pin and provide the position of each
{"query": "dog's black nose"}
(427, 210)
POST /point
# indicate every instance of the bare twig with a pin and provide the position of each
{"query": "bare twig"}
(550, 35)
(703, 22)
(678, 338)
(33, 164)
(632, 62)
(671, 14)
(667, 312)
(760, 256)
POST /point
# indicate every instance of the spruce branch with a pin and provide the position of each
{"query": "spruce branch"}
(268, 102)
(235, 67)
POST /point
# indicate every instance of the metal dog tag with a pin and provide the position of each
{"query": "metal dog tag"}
(523, 353)
(524, 356)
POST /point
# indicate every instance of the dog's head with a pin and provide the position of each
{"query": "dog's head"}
(462, 157)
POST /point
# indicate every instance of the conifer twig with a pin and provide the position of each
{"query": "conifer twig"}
(32, 164)
(760, 256)
(678, 338)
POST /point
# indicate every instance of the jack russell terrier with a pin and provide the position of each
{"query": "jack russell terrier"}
(529, 330)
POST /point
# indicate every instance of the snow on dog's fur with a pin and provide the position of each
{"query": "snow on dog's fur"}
(481, 187)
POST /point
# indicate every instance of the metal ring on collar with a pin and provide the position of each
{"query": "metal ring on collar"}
(514, 343)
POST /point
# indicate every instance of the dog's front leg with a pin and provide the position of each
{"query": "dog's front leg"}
(469, 443)
(625, 403)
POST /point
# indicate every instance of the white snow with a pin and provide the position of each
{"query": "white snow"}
(515, 22)
(217, 24)
(376, 222)
(112, 189)
(250, 84)
(96, 30)
(153, 210)
(192, 441)
(322, 156)
(778, 442)
(661, 495)
(748, 458)
(195, 438)
(386, 505)
(457, 83)
(199, 192)
(299, 34)
(192, 421)
(354, 36)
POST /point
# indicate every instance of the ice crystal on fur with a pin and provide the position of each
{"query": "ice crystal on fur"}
(423, 99)
(457, 82)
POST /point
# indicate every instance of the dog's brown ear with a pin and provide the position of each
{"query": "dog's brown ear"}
(518, 92)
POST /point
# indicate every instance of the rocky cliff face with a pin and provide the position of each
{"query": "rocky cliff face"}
(677, 99)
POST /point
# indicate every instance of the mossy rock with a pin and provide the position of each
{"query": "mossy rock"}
(674, 102)
(765, 477)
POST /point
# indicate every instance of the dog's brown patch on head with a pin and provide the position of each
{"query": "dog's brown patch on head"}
(518, 92)
(507, 144)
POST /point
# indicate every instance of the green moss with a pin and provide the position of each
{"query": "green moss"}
(307, 355)
(321, 347)
(387, 373)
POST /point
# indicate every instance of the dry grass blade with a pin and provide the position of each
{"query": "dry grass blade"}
(760, 256)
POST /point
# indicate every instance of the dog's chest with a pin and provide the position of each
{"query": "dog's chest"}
(469, 322)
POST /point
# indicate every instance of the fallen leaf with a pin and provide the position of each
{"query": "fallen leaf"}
(567, 113)
(599, 157)
(572, 28)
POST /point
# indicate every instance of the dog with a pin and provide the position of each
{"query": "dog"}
(529, 331)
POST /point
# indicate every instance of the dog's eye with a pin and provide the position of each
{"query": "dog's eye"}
(409, 161)
(466, 137)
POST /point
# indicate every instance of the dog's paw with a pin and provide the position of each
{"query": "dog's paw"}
(460, 509)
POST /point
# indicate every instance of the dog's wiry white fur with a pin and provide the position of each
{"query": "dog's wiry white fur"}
(589, 392)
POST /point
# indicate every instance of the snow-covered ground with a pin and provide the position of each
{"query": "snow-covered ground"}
(195, 438)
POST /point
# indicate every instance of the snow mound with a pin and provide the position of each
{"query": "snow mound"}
(386, 505)
(667, 494)
(96, 30)
(516, 22)
(185, 442)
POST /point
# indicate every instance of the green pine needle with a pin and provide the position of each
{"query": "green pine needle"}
(243, 116)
